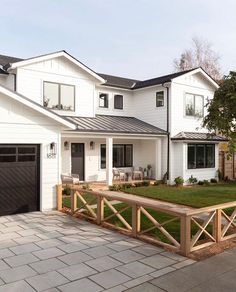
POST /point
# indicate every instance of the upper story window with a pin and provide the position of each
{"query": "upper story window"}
(118, 101)
(103, 100)
(59, 96)
(201, 156)
(194, 105)
(159, 98)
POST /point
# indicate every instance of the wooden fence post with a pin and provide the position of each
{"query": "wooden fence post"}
(59, 197)
(136, 220)
(73, 200)
(217, 226)
(100, 209)
(185, 235)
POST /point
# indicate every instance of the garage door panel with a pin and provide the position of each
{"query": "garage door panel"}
(19, 180)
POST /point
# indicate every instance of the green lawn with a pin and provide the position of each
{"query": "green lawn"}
(196, 196)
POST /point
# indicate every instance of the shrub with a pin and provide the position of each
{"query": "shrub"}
(115, 188)
(156, 183)
(126, 186)
(179, 180)
(146, 183)
(66, 191)
(213, 180)
(138, 184)
(206, 182)
(86, 187)
(200, 183)
(192, 180)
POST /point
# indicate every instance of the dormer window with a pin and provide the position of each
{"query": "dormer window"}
(103, 100)
(159, 98)
(118, 101)
(59, 96)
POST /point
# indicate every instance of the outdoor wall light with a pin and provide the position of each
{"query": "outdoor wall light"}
(66, 145)
(52, 150)
(92, 145)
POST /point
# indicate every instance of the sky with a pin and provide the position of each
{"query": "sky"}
(131, 38)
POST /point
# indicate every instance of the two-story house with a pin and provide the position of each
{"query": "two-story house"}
(59, 116)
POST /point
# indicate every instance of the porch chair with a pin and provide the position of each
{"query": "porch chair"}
(69, 178)
(118, 174)
(137, 173)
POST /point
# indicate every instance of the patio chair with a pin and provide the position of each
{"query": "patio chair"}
(118, 174)
(69, 178)
(138, 173)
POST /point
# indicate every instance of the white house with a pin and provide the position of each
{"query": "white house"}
(59, 116)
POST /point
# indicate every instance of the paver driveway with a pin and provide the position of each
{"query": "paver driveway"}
(55, 252)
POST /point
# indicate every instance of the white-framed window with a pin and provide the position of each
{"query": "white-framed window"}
(118, 101)
(159, 98)
(103, 100)
(59, 96)
(194, 105)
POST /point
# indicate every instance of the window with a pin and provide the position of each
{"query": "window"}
(201, 156)
(160, 98)
(194, 105)
(122, 155)
(59, 96)
(103, 100)
(118, 101)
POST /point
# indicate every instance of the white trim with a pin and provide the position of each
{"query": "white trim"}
(56, 55)
(36, 107)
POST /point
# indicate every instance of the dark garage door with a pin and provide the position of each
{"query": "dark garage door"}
(19, 178)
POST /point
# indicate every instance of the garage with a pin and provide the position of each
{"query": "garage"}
(19, 178)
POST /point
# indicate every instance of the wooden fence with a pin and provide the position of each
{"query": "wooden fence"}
(227, 165)
(182, 231)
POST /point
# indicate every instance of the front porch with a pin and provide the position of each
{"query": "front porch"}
(94, 158)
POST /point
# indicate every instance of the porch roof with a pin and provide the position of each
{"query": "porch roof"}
(114, 124)
(198, 137)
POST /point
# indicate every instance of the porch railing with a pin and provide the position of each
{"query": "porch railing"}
(180, 230)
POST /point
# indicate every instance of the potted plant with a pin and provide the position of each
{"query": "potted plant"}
(149, 170)
(145, 172)
(179, 181)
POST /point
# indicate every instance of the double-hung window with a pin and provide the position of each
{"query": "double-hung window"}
(201, 156)
(194, 105)
(118, 101)
(103, 100)
(59, 96)
(159, 98)
(122, 155)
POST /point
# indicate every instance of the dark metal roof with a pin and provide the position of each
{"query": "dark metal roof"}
(121, 82)
(198, 136)
(114, 124)
(4, 60)
(3, 72)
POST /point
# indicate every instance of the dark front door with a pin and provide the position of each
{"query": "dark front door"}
(19, 178)
(77, 157)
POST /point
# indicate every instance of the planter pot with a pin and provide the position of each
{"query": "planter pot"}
(145, 174)
(149, 173)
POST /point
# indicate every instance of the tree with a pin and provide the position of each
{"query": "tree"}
(202, 55)
(221, 115)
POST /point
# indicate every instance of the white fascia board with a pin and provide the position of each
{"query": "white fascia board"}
(38, 108)
(56, 55)
(204, 74)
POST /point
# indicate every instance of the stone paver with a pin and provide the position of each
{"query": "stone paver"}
(54, 252)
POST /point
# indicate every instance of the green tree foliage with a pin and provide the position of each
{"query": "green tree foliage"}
(221, 115)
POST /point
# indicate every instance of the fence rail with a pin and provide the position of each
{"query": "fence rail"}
(149, 220)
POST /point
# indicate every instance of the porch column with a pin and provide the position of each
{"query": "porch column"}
(109, 160)
(158, 159)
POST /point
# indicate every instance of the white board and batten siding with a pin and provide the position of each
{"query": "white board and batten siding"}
(21, 125)
(30, 80)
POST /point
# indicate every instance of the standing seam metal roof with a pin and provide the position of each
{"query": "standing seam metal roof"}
(114, 124)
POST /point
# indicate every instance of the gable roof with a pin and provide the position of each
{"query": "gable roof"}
(35, 106)
(114, 124)
(121, 82)
(23, 62)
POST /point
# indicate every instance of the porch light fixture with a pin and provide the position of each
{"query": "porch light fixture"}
(66, 145)
(52, 150)
(92, 145)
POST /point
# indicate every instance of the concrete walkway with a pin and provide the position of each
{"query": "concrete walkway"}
(55, 252)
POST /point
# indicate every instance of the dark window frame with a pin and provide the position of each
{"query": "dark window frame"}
(60, 106)
(158, 99)
(194, 105)
(106, 101)
(116, 105)
(196, 163)
(125, 164)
